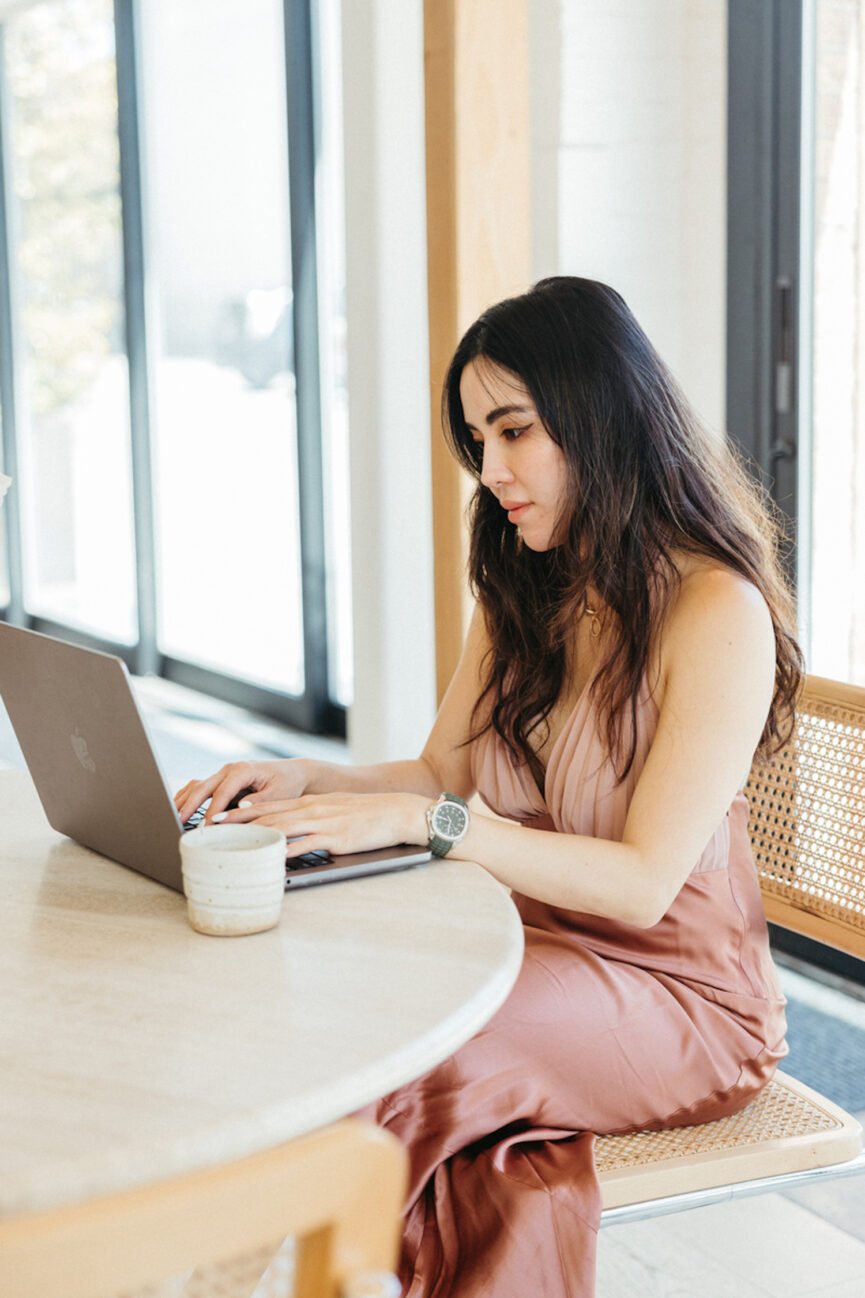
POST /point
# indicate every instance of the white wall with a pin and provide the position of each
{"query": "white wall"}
(388, 379)
(640, 188)
(629, 168)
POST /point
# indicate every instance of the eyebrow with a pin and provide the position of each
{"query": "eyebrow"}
(499, 412)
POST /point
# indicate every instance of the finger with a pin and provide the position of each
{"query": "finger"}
(193, 794)
(221, 787)
(222, 796)
(182, 793)
(310, 843)
(248, 809)
(236, 780)
(245, 812)
(237, 816)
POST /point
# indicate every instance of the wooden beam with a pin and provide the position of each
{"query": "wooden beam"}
(479, 234)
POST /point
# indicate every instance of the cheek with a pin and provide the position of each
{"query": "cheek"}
(557, 473)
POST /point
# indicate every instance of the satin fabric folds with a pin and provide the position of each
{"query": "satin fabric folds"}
(608, 1028)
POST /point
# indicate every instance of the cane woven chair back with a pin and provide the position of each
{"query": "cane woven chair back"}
(224, 1233)
(807, 830)
(807, 823)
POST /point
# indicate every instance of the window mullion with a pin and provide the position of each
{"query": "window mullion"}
(784, 447)
(147, 654)
(301, 164)
(749, 228)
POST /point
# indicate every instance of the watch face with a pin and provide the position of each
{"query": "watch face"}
(450, 821)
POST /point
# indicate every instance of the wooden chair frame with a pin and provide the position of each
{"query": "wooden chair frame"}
(807, 829)
(339, 1190)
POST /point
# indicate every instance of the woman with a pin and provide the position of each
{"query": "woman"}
(630, 650)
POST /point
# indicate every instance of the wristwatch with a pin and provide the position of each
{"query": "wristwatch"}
(448, 823)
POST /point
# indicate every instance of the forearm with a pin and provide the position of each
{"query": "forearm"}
(571, 871)
(414, 776)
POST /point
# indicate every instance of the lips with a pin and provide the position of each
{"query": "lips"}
(515, 508)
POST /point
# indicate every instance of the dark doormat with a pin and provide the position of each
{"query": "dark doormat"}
(826, 1053)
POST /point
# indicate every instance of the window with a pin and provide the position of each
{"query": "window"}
(172, 400)
(834, 149)
(72, 397)
(796, 297)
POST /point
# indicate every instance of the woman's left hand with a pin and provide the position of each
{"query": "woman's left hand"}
(341, 822)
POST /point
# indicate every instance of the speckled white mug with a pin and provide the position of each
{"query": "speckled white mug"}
(234, 878)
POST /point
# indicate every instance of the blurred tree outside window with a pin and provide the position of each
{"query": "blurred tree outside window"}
(73, 422)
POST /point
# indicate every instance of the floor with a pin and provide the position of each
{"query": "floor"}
(775, 1246)
(808, 1243)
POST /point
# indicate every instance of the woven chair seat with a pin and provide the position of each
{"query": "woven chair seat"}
(787, 1128)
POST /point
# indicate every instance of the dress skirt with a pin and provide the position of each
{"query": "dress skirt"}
(503, 1199)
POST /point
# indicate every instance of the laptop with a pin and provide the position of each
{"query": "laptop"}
(89, 754)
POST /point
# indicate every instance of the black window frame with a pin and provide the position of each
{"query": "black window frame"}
(313, 711)
(764, 285)
(769, 293)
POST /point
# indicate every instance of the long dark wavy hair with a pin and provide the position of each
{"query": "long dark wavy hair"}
(644, 479)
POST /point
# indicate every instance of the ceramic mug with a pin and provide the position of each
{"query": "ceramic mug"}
(234, 878)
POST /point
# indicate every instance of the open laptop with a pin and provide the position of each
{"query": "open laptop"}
(87, 749)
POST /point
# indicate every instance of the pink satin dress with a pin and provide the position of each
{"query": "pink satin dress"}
(608, 1028)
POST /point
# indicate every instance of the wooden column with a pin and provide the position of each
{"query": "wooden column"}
(478, 230)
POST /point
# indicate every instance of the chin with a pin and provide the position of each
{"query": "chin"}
(540, 544)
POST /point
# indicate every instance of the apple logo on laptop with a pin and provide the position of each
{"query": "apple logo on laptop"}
(79, 743)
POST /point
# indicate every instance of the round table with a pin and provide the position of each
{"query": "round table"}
(132, 1048)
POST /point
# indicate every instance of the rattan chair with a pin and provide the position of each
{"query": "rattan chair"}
(222, 1233)
(807, 829)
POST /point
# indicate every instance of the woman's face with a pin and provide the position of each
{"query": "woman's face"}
(522, 465)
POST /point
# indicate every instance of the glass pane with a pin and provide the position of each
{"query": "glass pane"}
(4, 566)
(837, 579)
(73, 398)
(5, 590)
(334, 391)
(224, 413)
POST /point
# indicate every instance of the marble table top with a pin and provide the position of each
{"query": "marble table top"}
(132, 1048)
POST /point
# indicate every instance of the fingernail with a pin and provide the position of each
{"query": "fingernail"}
(220, 815)
(243, 804)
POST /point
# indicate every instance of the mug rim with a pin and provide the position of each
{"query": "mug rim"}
(206, 838)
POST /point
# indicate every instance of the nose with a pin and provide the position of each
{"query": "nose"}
(494, 469)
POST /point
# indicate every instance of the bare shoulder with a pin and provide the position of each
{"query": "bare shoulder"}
(710, 589)
(718, 616)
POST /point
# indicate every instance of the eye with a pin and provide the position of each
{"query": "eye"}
(511, 434)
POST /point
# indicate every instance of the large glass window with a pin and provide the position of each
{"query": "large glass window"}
(834, 272)
(217, 240)
(65, 244)
(172, 372)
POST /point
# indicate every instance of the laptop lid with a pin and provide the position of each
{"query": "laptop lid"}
(88, 751)
(86, 746)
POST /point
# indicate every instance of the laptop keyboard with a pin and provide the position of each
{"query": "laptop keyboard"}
(319, 856)
(195, 819)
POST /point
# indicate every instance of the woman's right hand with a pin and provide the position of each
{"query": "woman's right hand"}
(257, 781)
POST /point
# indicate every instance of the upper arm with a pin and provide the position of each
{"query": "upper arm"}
(446, 750)
(718, 672)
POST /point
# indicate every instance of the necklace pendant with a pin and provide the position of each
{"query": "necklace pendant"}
(595, 624)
